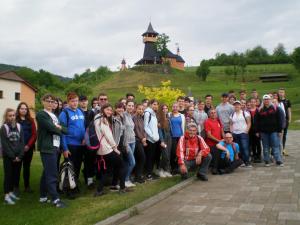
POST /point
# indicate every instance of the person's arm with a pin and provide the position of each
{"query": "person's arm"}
(63, 121)
(204, 149)
(146, 124)
(5, 145)
(32, 139)
(290, 114)
(22, 145)
(45, 123)
(183, 123)
(180, 151)
(248, 121)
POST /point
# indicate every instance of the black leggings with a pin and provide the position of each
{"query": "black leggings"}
(285, 130)
(112, 162)
(11, 174)
(173, 157)
(255, 145)
(89, 163)
(140, 158)
(26, 167)
(150, 156)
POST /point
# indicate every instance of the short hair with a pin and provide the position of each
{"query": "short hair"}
(254, 89)
(209, 95)
(130, 94)
(152, 101)
(46, 96)
(231, 91)
(71, 95)
(180, 98)
(145, 100)
(94, 99)
(102, 94)
(242, 91)
(187, 99)
(190, 125)
(281, 89)
(119, 105)
(129, 101)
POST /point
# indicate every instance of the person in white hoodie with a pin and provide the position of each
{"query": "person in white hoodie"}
(151, 129)
(108, 155)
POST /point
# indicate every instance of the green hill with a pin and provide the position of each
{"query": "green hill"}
(119, 83)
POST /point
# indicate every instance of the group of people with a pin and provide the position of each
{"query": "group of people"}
(140, 142)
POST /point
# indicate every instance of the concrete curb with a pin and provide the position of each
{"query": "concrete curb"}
(136, 209)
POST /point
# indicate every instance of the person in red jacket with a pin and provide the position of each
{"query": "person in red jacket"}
(192, 153)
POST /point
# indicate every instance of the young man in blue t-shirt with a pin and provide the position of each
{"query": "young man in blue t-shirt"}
(226, 156)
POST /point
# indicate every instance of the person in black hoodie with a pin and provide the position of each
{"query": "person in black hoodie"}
(12, 142)
(269, 127)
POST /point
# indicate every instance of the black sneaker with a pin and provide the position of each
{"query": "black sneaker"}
(184, 176)
(139, 180)
(114, 188)
(279, 163)
(99, 193)
(149, 177)
(59, 204)
(214, 171)
(202, 177)
(125, 190)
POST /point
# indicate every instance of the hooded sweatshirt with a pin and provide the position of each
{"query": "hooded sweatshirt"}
(75, 125)
(150, 125)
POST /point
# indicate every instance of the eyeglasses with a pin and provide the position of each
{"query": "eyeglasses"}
(228, 137)
(103, 99)
(49, 101)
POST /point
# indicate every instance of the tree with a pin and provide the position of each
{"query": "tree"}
(296, 58)
(162, 44)
(242, 63)
(229, 72)
(164, 94)
(280, 55)
(79, 89)
(203, 70)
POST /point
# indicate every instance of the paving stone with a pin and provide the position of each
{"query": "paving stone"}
(285, 207)
(285, 181)
(223, 210)
(252, 207)
(192, 208)
(289, 216)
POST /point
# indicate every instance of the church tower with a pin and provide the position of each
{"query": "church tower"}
(123, 65)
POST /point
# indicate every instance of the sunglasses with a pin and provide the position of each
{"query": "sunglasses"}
(103, 99)
(49, 101)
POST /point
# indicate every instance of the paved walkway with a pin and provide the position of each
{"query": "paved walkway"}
(247, 197)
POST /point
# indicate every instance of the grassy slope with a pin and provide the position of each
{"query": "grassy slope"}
(217, 83)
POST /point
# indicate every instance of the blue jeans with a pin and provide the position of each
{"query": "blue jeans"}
(271, 140)
(130, 160)
(243, 141)
(49, 176)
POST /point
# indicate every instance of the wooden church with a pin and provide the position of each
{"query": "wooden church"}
(151, 56)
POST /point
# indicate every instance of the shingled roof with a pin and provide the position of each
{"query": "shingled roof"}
(150, 30)
(11, 75)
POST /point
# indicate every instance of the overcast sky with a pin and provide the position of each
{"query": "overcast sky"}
(68, 36)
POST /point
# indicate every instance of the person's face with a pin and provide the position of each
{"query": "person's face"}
(201, 106)
(165, 109)
(108, 111)
(145, 104)
(11, 116)
(192, 131)
(130, 107)
(267, 102)
(258, 102)
(213, 114)
(120, 111)
(154, 106)
(275, 96)
(187, 104)
(47, 103)
(248, 105)
(224, 99)
(94, 104)
(275, 101)
(73, 103)
(60, 104)
(180, 102)
(23, 110)
(84, 104)
(175, 107)
(123, 101)
(237, 107)
(130, 98)
(55, 105)
(191, 111)
(231, 101)
(228, 138)
(102, 100)
(208, 100)
(243, 95)
(254, 94)
(281, 93)
(253, 103)
(243, 105)
(140, 110)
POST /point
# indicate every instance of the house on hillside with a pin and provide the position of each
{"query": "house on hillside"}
(151, 56)
(13, 90)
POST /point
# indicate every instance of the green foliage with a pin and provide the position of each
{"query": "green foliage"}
(79, 89)
(280, 55)
(91, 77)
(203, 70)
(296, 58)
(162, 44)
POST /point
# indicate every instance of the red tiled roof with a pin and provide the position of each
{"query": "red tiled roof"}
(11, 75)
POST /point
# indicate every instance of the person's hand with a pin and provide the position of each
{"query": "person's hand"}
(198, 159)
(26, 148)
(163, 144)
(257, 134)
(280, 134)
(17, 159)
(117, 151)
(58, 126)
(144, 142)
(66, 154)
(183, 168)
(227, 154)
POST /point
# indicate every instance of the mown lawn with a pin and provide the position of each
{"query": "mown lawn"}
(82, 211)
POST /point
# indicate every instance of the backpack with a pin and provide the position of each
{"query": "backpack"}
(67, 179)
(149, 117)
(7, 128)
(67, 115)
(90, 137)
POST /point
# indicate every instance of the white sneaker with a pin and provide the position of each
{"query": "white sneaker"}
(129, 184)
(167, 174)
(156, 172)
(90, 181)
(44, 200)
(13, 196)
(161, 174)
(8, 200)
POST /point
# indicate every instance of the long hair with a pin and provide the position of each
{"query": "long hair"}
(108, 119)
(8, 110)
(27, 116)
(162, 117)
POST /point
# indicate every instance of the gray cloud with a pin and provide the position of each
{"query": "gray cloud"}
(68, 36)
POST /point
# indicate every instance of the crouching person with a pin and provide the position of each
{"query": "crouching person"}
(226, 156)
(193, 153)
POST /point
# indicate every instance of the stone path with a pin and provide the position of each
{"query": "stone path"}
(258, 196)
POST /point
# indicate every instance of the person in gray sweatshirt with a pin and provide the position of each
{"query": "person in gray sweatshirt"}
(224, 111)
(151, 129)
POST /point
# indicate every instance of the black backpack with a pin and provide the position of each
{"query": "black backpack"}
(91, 139)
(67, 180)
